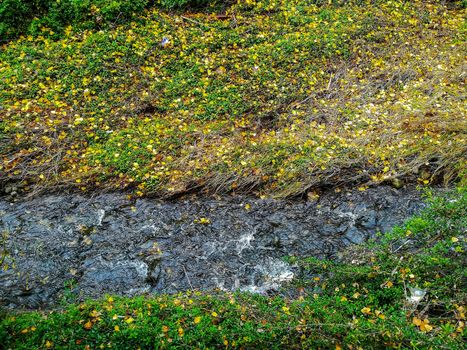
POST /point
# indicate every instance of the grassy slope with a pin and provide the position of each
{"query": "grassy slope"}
(275, 97)
(360, 303)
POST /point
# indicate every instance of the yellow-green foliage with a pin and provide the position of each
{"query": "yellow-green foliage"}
(272, 96)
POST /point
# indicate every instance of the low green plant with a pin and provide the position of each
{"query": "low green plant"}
(184, 3)
(14, 17)
(43, 16)
(38, 16)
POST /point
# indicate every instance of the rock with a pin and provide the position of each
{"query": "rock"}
(354, 236)
(368, 220)
(118, 276)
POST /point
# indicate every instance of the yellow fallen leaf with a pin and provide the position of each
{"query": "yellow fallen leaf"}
(422, 324)
(366, 310)
(426, 327)
(197, 319)
(130, 320)
(379, 314)
(203, 221)
(88, 325)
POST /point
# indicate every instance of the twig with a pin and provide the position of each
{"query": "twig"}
(425, 309)
(330, 81)
(116, 20)
(196, 22)
(188, 278)
(397, 266)
(405, 293)
(403, 244)
(235, 20)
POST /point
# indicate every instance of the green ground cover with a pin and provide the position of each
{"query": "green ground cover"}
(365, 301)
(264, 97)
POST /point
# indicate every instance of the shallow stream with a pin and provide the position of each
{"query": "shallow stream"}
(90, 246)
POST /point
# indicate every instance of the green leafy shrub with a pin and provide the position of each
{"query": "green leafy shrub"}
(88, 13)
(30, 17)
(15, 16)
(23, 16)
(183, 3)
